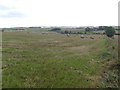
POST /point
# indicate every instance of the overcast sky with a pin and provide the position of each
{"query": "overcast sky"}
(18, 13)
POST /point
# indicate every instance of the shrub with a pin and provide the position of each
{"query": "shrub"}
(110, 31)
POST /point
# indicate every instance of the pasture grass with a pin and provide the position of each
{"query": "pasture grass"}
(52, 60)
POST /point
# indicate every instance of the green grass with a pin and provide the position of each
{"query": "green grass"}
(36, 60)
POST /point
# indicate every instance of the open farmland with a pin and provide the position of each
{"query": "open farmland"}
(36, 59)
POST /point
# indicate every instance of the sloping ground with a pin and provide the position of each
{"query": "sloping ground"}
(47, 61)
(111, 65)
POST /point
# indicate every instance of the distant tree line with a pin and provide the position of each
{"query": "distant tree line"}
(70, 32)
(95, 28)
(58, 30)
(83, 32)
(34, 27)
(109, 31)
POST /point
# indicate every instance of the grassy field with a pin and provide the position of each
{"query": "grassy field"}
(52, 60)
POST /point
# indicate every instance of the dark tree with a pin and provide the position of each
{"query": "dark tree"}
(87, 29)
(110, 31)
(55, 29)
(66, 32)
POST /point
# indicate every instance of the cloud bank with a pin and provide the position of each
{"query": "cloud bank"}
(15, 13)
